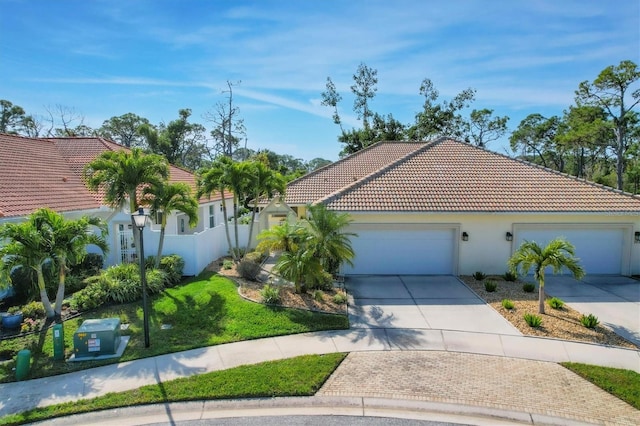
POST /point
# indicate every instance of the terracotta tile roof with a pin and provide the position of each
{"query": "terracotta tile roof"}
(79, 151)
(47, 172)
(34, 174)
(341, 174)
(451, 176)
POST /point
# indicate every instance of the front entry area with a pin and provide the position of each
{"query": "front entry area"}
(403, 249)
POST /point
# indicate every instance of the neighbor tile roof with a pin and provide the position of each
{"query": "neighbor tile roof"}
(47, 172)
(79, 151)
(34, 174)
(452, 176)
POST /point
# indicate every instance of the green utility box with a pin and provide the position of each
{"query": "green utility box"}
(97, 337)
(58, 342)
(23, 364)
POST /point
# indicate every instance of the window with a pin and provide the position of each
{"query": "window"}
(212, 216)
(182, 225)
(159, 215)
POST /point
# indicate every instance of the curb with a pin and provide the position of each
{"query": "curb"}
(174, 413)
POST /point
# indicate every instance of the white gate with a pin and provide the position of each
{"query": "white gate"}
(126, 244)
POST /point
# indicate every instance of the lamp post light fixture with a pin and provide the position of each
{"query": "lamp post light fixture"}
(140, 220)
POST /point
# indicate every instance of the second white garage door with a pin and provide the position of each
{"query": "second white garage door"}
(403, 250)
(600, 249)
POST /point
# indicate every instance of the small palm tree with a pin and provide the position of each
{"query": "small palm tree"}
(328, 240)
(168, 197)
(558, 254)
(66, 242)
(26, 248)
(285, 237)
(299, 267)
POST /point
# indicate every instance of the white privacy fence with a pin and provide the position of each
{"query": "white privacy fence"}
(198, 250)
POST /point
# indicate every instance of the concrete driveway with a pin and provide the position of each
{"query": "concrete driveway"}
(615, 300)
(420, 302)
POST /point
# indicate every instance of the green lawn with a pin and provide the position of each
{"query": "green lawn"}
(624, 384)
(300, 376)
(204, 311)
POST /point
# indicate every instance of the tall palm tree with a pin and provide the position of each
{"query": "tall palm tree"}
(67, 241)
(26, 248)
(226, 175)
(264, 182)
(558, 254)
(328, 239)
(213, 179)
(168, 197)
(122, 175)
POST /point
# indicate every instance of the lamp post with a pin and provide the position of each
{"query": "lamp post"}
(140, 220)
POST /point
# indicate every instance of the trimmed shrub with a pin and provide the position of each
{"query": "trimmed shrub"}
(248, 269)
(33, 310)
(227, 264)
(508, 304)
(90, 266)
(510, 276)
(589, 321)
(318, 295)
(90, 297)
(173, 266)
(528, 287)
(74, 283)
(533, 320)
(270, 295)
(555, 303)
(490, 286)
(479, 276)
(340, 298)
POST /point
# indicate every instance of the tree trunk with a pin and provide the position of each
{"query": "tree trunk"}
(620, 157)
(160, 244)
(235, 228)
(43, 294)
(62, 275)
(541, 296)
(226, 223)
(253, 218)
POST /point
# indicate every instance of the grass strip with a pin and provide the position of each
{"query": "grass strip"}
(624, 384)
(299, 376)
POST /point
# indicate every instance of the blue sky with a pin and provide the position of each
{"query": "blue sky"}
(154, 57)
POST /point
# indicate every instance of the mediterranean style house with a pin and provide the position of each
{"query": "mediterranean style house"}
(447, 207)
(47, 172)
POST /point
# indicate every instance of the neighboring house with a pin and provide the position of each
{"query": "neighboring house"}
(447, 207)
(38, 172)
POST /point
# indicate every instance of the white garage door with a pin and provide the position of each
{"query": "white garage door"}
(403, 250)
(600, 249)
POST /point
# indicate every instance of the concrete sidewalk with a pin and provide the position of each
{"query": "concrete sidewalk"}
(22, 396)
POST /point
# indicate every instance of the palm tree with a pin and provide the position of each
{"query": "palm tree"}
(264, 183)
(558, 254)
(26, 248)
(122, 175)
(164, 197)
(226, 174)
(328, 240)
(66, 241)
(299, 267)
(285, 237)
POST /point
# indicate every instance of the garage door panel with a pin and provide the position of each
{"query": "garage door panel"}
(403, 252)
(600, 249)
